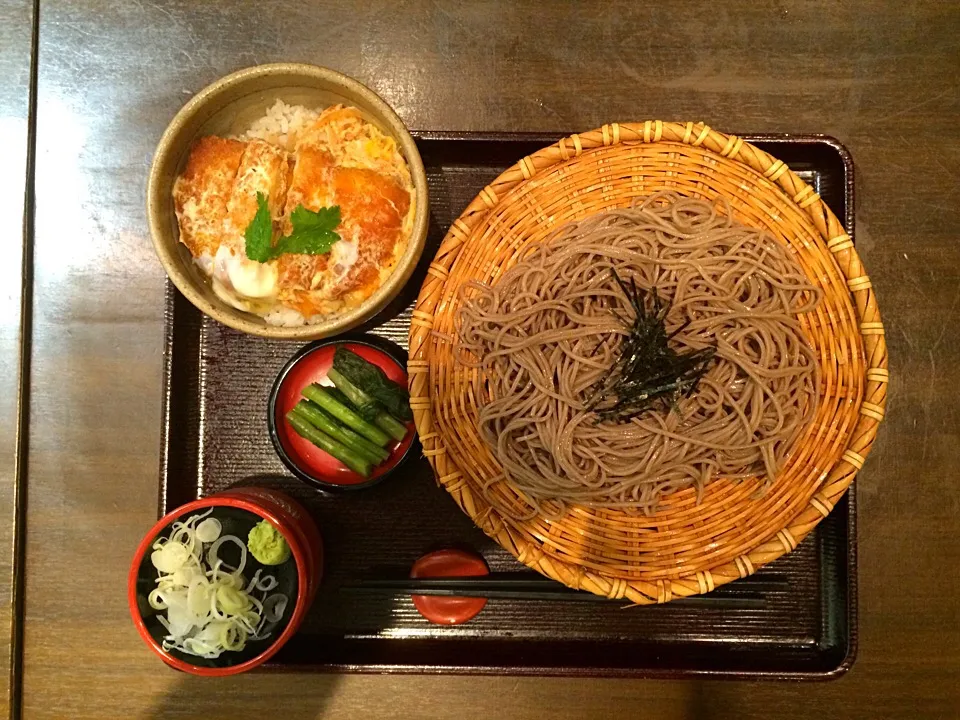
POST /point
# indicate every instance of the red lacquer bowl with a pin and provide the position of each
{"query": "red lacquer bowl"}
(238, 510)
(304, 459)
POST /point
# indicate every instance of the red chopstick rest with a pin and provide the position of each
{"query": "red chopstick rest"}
(442, 564)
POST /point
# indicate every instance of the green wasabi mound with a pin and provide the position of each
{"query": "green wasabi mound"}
(267, 545)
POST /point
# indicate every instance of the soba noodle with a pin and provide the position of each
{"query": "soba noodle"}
(547, 331)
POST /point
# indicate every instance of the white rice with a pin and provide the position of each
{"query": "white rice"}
(281, 125)
(288, 317)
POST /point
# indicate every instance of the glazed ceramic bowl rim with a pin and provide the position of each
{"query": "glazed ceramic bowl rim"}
(313, 480)
(299, 610)
(169, 252)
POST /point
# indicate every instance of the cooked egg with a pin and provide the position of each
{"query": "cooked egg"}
(243, 276)
(243, 283)
(343, 256)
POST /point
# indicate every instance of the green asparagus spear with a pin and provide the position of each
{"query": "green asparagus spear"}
(343, 399)
(341, 433)
(367, 406)
(348, 417)
(386, 421)
(323, 441)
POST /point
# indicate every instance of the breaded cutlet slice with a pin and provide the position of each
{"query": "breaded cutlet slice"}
(372, 209)
(375, 206)
(264, 168)
(311, 187)
(201, 193)
(311, 183)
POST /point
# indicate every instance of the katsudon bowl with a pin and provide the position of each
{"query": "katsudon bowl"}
(228, 108)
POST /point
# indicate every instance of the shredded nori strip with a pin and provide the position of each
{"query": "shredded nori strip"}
(648, 372)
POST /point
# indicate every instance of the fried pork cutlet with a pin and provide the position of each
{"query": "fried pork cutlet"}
(201, 193)
(372, 208)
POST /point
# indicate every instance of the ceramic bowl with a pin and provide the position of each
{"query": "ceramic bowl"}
(228, 107)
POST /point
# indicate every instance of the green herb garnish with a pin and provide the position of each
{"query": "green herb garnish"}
(647, 369)
(259, 233)
(313, 232)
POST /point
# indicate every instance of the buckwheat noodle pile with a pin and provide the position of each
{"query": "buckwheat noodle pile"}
(547, 331)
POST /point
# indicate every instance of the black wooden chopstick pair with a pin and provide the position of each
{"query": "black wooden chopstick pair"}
(747, 593)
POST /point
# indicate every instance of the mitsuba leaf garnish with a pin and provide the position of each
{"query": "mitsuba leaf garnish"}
(312, 234)
(647, 371)
(259, 233)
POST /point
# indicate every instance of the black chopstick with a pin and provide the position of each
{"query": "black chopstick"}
(480, 581)
(532, 583)
(559, 594)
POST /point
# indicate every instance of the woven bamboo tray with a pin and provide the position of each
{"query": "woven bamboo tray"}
(686, 548)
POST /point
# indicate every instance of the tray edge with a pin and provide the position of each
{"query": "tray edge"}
(852, 645)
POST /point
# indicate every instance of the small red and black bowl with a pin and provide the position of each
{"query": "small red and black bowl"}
(298, 578)
(310, 365)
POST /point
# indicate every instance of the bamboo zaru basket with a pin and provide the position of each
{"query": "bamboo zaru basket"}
(686, 547)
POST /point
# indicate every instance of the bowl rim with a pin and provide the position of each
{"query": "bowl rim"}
(315, 481)
(299, 610)
(241, 320)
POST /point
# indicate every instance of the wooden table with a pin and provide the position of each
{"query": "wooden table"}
(16, 18)
(880, 75)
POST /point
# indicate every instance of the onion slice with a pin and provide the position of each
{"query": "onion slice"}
(267, 584)
(208, 530)
(212, 558)
(274, 606)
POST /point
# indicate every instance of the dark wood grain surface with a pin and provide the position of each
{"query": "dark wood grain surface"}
(880, 75)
